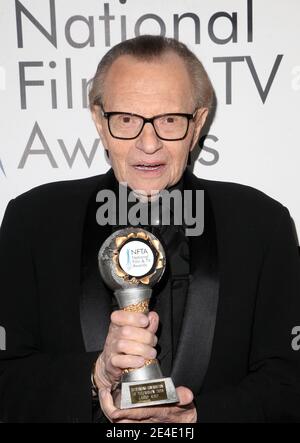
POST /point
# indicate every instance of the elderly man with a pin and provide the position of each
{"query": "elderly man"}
(224, 313)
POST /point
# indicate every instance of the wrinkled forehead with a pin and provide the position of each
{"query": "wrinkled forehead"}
(161, 78)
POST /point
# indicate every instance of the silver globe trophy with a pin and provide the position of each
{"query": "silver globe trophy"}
(131, 261)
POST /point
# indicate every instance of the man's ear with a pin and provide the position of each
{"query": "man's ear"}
(99, 125)
(199, 123)
(97, 119)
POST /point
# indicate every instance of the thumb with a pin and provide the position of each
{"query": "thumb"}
(185, 396)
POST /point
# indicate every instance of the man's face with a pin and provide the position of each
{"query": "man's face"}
(152, 88)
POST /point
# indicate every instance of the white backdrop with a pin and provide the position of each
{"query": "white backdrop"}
(50, 48)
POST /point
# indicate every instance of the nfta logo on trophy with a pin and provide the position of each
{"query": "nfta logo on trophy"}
(136, 258)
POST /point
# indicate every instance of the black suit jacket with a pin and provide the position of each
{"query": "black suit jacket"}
(234, 348)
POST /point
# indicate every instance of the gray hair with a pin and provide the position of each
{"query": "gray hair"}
(147, 47)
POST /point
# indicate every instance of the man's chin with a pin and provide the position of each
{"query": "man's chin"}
(144, 192)
(145, 196)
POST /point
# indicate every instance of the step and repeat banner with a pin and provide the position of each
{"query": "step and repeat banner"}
(50, 50)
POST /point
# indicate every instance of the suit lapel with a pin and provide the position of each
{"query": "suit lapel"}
(95, 298)
(196, 338)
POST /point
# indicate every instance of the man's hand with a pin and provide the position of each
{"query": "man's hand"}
(182, 412)
(130, 341)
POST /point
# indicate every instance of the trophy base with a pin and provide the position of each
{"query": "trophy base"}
(137, 394)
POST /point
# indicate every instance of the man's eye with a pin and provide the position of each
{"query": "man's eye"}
(170, 119)
(126, 119)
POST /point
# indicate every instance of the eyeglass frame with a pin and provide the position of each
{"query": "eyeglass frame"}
(148, 120)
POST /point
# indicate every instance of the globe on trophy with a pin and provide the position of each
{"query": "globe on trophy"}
(131, 261)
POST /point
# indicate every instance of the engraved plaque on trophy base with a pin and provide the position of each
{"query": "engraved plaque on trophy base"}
(145, 386)
(156, 392)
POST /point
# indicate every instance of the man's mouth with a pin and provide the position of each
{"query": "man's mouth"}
(148, 167)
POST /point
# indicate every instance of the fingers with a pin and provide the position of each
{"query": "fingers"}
(136, 319)
(131, 354)
(122, 318)
(131, 347)
(185, 396)
(153, 322)
(138, 334)
(127, 361)
(130, 341)
(126, 331)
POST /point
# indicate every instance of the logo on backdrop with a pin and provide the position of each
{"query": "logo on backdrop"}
(61, 93)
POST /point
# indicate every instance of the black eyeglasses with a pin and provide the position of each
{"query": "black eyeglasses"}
(128, 126)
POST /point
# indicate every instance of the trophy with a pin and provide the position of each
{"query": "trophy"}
(131, 261)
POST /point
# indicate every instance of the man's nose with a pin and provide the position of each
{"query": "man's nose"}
(148, 141)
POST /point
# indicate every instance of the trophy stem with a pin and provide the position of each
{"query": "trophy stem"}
(134, 299)
(137, 299)
(148, 372)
